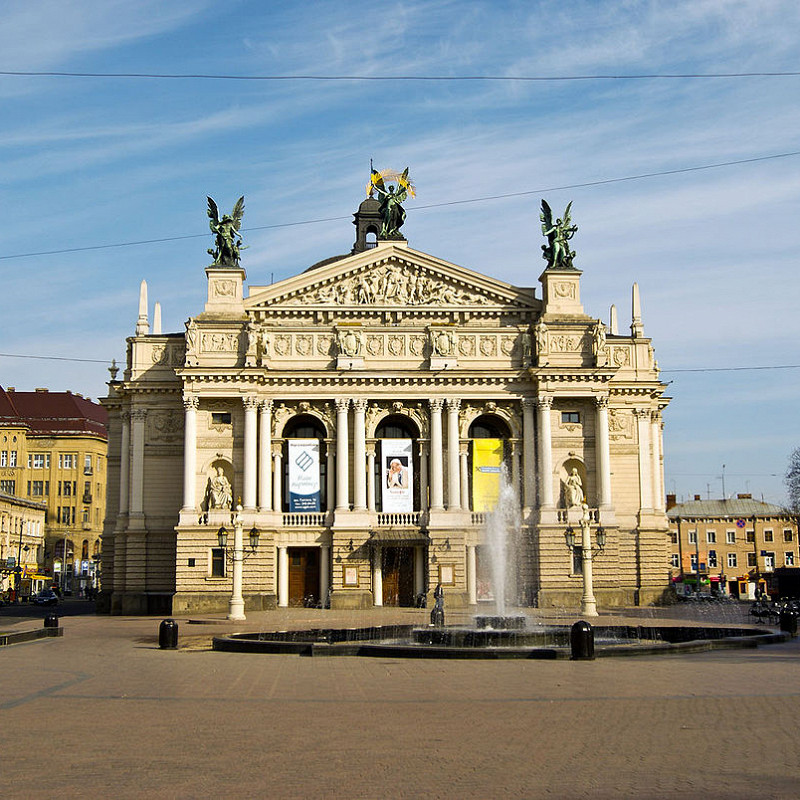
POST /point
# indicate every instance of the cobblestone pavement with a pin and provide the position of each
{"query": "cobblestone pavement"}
(102, 712)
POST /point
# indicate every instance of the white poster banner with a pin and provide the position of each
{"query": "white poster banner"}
(397, 478)
(304, 475)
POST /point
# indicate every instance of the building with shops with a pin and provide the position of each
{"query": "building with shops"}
(734, 545)
(362, 412)
(56, 462)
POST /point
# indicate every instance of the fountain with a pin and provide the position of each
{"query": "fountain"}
(501, 532)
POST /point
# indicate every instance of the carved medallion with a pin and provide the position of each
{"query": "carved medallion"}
(303, 344)
(466, 345)
(621, 356)
(507, 344)
(397, 345)
(416, 345)
(375, 345)
(224, 288)
(488, 346)
(564, 289)
(324, 344)
(283, 344)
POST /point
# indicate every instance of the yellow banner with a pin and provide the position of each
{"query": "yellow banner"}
(487, 463)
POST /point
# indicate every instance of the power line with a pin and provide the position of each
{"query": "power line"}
(733, 369)
(587, 184)
(405, 78)
(57, 358)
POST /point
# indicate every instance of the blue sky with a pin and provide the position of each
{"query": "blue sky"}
(100, 161)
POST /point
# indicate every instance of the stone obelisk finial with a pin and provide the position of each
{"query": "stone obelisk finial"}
(142, 324)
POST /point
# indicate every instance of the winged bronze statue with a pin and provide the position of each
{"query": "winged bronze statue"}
(393, 215)
(556, 252)
(228, 242)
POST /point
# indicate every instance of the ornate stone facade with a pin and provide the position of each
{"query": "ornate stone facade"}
(385, 343)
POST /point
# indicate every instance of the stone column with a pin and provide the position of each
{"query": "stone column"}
(529, 455)
(124, 462)
(138, 418)
(437, 459)
(250, 452)
(472, 574)
(463, 455)
(330, 474)
(265, 456)
(543, 405)
(342, 488)
(602, 453)
(516, 475)
(371, 476)
(453, 440)
(645, 459)
(324, 573)
(359, 454)
(423, 477)
(277, 476)
(190, 405)
(658, 487)
(377, 576)
(283, 577)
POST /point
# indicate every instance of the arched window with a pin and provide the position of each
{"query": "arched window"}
(305, 426)
(487, 459)
(397, 426)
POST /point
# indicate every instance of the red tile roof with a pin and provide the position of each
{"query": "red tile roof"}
(53, 413)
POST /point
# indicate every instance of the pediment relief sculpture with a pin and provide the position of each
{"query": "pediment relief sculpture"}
(390, 285)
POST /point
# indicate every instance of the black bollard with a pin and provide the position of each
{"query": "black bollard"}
(51, 621)
(168, 634)
(788, 620)
(581, 638)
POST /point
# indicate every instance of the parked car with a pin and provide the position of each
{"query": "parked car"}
(47, 597)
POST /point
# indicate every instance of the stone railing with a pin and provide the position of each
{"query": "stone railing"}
(398, 519)
(305, 519)
(574, 514)
(477, 517)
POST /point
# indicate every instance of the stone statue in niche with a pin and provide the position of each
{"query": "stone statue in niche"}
(527, 349)
(540, 332)
(191, 343)
(573, 489)
(219, 491)
(599, 343)
(251, 333)
(263, 346)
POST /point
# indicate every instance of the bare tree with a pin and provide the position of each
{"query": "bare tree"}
(792, 481)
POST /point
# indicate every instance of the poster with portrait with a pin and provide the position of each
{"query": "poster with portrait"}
(487, 465)
(397, 479)
(304, 475)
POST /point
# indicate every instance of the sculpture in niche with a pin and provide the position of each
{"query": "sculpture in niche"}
(227, 242)
(219, 491)
(263, 346)
(191, 343)
(251, 333)
(599, 343)
(573, 489)
(540, 333)
(556, 252)
(527, 349)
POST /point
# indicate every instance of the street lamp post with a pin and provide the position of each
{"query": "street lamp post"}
(18, 571)
(588, 602)
(236, 603)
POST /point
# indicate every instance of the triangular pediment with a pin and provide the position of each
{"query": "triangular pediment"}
(391, 275)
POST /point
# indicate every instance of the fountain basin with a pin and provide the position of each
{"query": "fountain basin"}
(551, 642)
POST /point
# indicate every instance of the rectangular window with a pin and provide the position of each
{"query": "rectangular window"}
(3, 458)
(788, 535)
(788, 558)
(577, 561)
(769, 562)
(675, 560)
(86, 516)
(7, 486)
(67, 460)
(768, 535)
(38, 461)
(191, 562)
(730, 537)
(732, 559)
(221, 417)
(711, 537)
(38, 488)
(12, 458)
(750, 536)
(217, 562)
(87, 463)
(692, 537)
(712, 559)
(673, 535)
(694, 562)
(47, 487)
(751, 560)
(570, 416)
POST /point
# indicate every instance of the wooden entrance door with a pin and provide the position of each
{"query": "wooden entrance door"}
(303, 576)
(397, 566)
